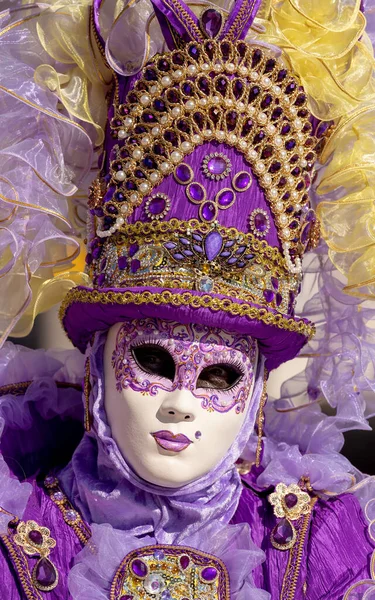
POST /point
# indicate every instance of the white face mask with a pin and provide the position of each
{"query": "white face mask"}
(176, 396)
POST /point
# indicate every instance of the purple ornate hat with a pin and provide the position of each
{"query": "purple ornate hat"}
(201, 212)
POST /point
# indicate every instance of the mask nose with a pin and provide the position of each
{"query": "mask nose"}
(177, 406)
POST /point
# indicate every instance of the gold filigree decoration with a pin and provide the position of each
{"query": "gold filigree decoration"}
(167, 297)
(35, 540)
(289, 501)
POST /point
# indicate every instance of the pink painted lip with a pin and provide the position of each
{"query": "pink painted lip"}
(170, 441)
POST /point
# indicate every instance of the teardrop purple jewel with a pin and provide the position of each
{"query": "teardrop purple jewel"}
(209, 574)
(184, 561)
(211, 22)
(213, 244)
(45, 574)
(283, 534)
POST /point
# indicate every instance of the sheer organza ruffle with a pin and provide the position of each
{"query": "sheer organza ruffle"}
(95, 566)
(52, 112)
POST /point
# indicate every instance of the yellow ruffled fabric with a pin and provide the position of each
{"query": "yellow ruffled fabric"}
(36, 274)
(326, 44)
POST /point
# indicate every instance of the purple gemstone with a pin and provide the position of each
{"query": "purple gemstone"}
(178, 256)
(149, 162)
(140, 129)
(50, 480)
(225, 49)
(157, 205)
(248, 125)
(71, 514)
(150, 75)
(269, 295)
(130, 185)
(231, 119)
(170, 245)
(300, 99)
(281, 75)
(112, 211)
(238, 88)
(225, 198)
(198, 249)
(194, 52)
(213, 244)
(242, 181)
(59, 496)
(260, 222)
(276, 113)
(99, 281)
(290, 500)
(209, 573)
(208, 211)
(183, 173)
(159, 554)
(270, 65)
(139, 568)
(45, 573)
(148, 117)
(119, 196)
(214, 114)
(88, 259)
(173, 96)
(204, 85)
(178, 58)
(259, 137)
(217, 165)
(242, 49)
(135, 265)
(275, 167)
(122, 263)
(275, 283)
(35, 537)
(126, 597)
(171, 137)
(133, 248)
(279, 299)
(184, 562)
(290, 144)
(266, 102)
(283, 532)
(163, 65)
(254, 93)
(267, 152)
(257, 57)
(221, 85)
(285, 129)
(187, 88)
(290, 87)
(196, 191)
(159, 105)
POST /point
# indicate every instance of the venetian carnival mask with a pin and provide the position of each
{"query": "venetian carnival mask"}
(176, 396)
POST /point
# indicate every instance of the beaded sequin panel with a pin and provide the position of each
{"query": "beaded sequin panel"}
(193, 255)
(170, 572)
(221, 92)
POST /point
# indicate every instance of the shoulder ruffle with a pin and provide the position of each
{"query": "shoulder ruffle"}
(52, 113)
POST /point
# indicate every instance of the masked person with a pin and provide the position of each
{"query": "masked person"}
(219, 130)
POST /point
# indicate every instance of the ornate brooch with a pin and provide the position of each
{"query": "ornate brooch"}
(289, 503)
(170, 573)
(36, 541)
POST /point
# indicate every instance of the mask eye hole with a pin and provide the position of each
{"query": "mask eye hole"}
(219, 377)
(155, 360)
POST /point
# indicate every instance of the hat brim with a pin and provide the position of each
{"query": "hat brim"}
(85, 311)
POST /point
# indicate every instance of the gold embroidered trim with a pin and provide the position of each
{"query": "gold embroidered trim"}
(185, 299)
(292, 572)
(18, 389)
(70, 515)
(21, 567)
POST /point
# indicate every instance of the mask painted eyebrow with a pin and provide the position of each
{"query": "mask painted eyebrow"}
(154, 359)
